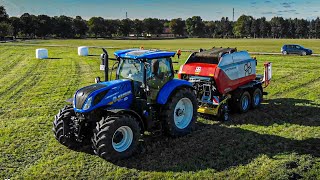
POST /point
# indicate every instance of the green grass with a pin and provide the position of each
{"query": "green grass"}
(280, 140)
(252, 45)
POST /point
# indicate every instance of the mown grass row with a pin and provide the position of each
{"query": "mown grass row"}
(277, 141)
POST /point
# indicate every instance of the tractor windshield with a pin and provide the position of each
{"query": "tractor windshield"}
(131, 69)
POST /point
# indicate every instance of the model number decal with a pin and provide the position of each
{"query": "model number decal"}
(198, 70)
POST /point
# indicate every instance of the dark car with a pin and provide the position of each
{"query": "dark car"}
(295, 49)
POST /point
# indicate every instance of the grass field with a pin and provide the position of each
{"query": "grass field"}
(280, 140)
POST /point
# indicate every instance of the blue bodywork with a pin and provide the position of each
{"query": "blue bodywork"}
(168, 88)
(119, 96)
(143, 54)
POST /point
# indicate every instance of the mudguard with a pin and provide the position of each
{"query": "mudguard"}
(131, 112)
(169, 87)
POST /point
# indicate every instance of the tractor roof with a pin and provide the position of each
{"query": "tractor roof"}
(143, 54)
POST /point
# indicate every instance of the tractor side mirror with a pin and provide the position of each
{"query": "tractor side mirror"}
(97, 80)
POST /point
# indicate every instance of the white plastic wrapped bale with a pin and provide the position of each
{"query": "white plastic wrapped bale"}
(83, 51)
(41, 53)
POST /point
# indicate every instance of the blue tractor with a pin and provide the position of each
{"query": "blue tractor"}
(144, 97)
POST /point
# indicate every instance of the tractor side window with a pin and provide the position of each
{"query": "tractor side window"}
(165, 68)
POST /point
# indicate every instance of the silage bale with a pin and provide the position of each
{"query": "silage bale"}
(41, 53)
(83, 51)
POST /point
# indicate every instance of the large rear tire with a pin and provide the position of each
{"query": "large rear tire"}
(116, 137)
(63, 128)
(180, 113)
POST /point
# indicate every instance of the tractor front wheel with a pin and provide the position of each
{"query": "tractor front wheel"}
(180, 113)
(63, 128)
(116, 137)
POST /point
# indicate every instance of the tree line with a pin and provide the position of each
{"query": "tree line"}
(44, 26)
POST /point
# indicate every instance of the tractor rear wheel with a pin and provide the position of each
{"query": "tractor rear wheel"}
(256, 98)
(116, 137)
(180, 113)
(63, 128)
(243, 103)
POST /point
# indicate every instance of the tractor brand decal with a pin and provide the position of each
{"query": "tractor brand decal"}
(247, 69)
(112, 95)
(198, 70)
(119, 98)
(230, 69)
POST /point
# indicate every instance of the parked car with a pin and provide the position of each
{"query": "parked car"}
(295, 49)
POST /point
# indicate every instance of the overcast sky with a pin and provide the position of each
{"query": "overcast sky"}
(165, 9)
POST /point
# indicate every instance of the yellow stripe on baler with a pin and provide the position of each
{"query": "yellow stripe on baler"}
(204, 110)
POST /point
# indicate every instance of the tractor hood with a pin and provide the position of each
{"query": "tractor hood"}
(101, 95)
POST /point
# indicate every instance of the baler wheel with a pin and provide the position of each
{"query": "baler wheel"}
(223, 113)
(116, 137)
(256, 98)
(243, 104)
(180, 113)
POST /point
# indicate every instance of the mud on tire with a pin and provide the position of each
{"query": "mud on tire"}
(109, 137)
(173, 110)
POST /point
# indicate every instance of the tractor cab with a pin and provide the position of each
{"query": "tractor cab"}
(148, 70)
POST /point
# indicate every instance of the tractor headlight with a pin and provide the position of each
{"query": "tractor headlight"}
(87, 105)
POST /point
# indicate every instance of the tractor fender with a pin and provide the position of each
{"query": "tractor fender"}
(170, 87)
(131, 112)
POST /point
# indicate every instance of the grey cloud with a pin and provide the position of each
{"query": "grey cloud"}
(266, 13)
(287, 4)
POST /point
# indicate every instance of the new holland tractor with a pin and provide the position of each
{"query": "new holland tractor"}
(225, 80)
(114, 114)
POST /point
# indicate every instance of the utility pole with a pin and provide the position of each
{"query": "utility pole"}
(233, 15)
(126, 15)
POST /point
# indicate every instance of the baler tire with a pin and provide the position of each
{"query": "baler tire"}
(223, 113)
(170, 112)
(255, 103)
(240, 105)
(104, 136)
(62, 128)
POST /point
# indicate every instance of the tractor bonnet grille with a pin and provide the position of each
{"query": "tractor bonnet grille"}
(83, 94)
